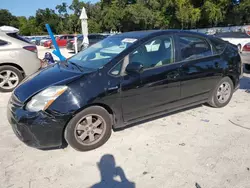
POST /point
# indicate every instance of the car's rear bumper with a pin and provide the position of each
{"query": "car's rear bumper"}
(47, 45)
(245, 57)
(36, 129)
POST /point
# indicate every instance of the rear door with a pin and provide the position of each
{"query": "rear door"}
(200, 67)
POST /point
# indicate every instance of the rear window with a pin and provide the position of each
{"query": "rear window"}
(193, 47)
(218, 44)
(18, 37)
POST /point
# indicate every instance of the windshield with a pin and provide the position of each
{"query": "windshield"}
(99, 54)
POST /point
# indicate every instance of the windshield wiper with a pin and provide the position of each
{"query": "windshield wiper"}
(80, 68)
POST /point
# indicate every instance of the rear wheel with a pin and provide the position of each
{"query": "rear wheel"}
(247, 68)
(89, 129)
(10, 77)
(222, 93)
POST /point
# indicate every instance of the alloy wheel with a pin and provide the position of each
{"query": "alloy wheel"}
(223, 92)
(90, 129)
(8, 79)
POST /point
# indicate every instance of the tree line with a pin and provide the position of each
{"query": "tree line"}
(130, 15)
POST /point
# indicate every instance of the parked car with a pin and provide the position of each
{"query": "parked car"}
(43, 40)
(119, 81)
(36, 40)
(61, 41)
(93, 38)
(240, 39)
(18, 58)
(245, 56)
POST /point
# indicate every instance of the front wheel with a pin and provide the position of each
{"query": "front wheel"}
(89, 129)
(222, 93)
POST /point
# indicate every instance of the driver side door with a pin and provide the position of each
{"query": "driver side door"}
(157, 87)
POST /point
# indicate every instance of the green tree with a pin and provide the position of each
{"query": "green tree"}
(47, 16)
(183, 12)
(6, 18)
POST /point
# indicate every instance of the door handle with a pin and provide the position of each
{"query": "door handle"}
(172, 75)
(113, 88)
(216, 64)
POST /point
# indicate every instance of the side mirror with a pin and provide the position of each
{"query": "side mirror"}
(134, 67)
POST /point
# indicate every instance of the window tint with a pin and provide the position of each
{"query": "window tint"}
(218, 44)
(2, 43)
(157, 52)
(194, 48)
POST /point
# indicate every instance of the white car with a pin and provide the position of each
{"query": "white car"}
(18, 59)
(239, 39)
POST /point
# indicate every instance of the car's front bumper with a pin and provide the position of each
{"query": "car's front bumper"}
(36, 129)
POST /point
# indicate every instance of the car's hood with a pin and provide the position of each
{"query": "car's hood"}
(58, 74)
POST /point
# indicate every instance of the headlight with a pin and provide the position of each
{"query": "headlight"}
(45, 98)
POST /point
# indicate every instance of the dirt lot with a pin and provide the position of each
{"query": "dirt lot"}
(202, 146)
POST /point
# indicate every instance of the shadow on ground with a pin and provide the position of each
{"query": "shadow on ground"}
(109, 173)
(245, 83)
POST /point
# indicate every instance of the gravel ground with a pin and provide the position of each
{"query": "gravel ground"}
(201, 146)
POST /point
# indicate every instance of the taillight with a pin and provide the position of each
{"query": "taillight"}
(246, 47)
(30, 48)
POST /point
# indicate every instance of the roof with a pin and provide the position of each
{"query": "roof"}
(8, 29)
(142, 34)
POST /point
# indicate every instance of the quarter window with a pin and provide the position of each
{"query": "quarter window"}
(156, 52)
(2, 43)
(218, 44)
(116, 70)
(194, 48)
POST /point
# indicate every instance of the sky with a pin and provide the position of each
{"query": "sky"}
(29, 7)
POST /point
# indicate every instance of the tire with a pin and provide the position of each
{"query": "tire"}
(247, 68)
(10, 73)
(215, 99)
(83, 126)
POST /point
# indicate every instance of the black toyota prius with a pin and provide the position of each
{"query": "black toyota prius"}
(121, 80)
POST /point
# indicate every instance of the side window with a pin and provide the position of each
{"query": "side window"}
(218, 44)
(63, 37)
(92, 37)
(70, 37)
(153, 46)
(156, 52)
(2, 43)
(194, 47)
